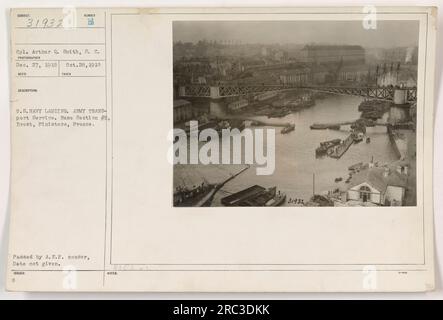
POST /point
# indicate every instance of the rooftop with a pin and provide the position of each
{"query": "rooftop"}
(376, 179)
(331, 47)
(355, 67)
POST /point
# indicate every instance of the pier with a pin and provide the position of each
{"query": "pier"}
(340, 150)
(343, 123)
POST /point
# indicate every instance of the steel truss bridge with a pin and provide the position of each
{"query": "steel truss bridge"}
(224, 91)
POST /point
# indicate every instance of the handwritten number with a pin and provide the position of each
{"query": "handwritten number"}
(44, 23)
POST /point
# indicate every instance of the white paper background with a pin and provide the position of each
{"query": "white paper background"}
(4, 147)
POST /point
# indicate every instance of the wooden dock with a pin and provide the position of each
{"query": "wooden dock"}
(340, 150)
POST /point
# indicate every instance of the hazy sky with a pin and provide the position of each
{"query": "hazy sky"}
(387, 34)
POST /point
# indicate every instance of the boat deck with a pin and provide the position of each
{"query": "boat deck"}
(245, 195)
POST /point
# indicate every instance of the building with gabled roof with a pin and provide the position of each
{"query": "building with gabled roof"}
(384, 185)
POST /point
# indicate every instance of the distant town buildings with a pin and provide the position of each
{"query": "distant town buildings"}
(266, 95)
(297, 76)
(236, 105)
(397, 76)
(353, 73)
(280, 55)
(347, 54)
(182, 110)
(320, 74)
(212, 63)
(304, 75)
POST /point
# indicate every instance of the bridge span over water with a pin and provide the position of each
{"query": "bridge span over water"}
(224, 91)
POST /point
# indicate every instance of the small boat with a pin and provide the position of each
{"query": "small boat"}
(288, 128)
(330, 143)
(323, 126)
(338, 179)
(368, 140)
(319, 201)
(356, 166)
(236, 199)
(320, 151)
(317, 126)
(255, 196)
(326, 146)
(278, 200)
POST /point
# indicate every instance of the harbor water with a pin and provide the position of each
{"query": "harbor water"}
(295, 162)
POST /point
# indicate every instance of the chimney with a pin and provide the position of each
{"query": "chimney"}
(386, 172)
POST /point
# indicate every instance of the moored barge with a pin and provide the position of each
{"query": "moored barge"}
(254, 196)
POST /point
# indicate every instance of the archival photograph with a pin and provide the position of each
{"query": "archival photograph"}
(294, 113)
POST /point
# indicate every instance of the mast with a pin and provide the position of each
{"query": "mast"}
(313, 184)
